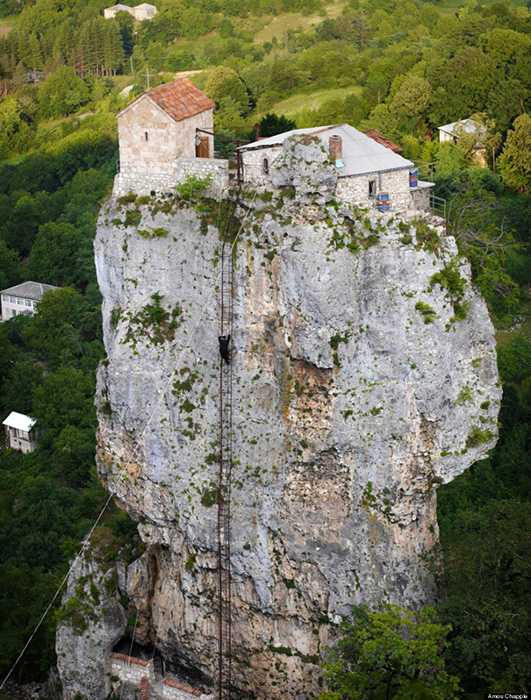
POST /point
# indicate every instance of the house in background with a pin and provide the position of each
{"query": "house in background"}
(451, 133)
(110, 12)
(369, 173)
(20, 432)
(23, 298)
(140, 12)
(164, 135)
(143, 11)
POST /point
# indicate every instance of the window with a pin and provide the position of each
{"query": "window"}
(12, 300)
(145, 135)
(372, 188)
(265, 166)
(27, 302)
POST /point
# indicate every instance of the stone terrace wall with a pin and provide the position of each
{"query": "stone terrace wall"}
(131, 670)
(165, 181)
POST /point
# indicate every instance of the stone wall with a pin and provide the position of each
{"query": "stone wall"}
(150, 140)
(355, 189)
(131, 670)
(253, 165)
(165, 181)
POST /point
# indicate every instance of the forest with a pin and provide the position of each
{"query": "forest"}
(402, 68)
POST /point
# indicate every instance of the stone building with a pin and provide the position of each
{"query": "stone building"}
(361, 169)
(164, 135)
(23, 298)
(20, 432)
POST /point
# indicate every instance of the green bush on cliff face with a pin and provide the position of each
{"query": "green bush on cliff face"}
(193, 185)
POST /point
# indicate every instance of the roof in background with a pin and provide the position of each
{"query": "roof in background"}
(145, 5)
(119, 6)
(372, 134)
(468, 125)
(361, 154)
(19, 421)
(29, 290)
(179, 99)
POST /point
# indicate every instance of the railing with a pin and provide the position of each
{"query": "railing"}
(438, 205)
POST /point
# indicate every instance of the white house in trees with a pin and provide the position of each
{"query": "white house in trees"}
(20, 432)
(140, 12)
(23, 298)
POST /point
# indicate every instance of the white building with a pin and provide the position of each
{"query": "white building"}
(143, 11)
(140, 12)
(452, 132)
(110, 12)
(20, 432)
(368, 173)
(23, 298)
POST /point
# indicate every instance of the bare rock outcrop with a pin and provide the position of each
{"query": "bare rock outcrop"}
(364, 376)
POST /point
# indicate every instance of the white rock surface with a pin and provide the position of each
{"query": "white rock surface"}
(349, 410)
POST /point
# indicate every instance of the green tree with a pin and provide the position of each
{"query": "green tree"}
(515, 160)
(9, 270)
(54, 333)
(390, 653)
(63, 93)
(272, 124)
(53, 255)
(487, 565)
(412, 99)
(17, 130)
(224, 83)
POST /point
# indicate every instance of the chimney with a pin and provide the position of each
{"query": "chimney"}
(335, 148)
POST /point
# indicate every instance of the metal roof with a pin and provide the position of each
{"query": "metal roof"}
(119, 6)
(29, 290)
(361, 154)
(19, 421)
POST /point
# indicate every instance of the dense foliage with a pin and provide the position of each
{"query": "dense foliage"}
(403, 68)
(49, 499)
(390, 653)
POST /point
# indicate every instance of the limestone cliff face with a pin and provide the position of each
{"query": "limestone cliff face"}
(361, 382)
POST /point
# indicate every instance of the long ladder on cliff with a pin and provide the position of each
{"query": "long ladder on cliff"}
(224, 487)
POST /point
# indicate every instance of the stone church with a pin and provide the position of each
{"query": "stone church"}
(164, 135)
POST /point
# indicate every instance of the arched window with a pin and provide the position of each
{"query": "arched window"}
(265, 166)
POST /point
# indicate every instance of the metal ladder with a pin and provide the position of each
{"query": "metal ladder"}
(224, 486)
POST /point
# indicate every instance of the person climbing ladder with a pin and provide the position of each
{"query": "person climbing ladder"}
(224, 341)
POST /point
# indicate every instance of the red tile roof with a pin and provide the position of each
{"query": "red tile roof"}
(172, 683)
(180, 99)
(375, 136)
(131, 659)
